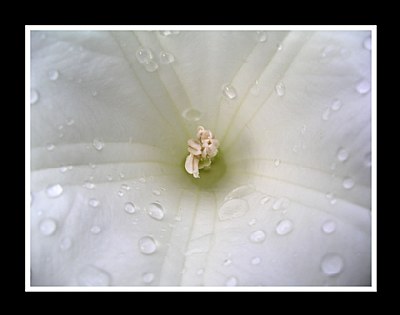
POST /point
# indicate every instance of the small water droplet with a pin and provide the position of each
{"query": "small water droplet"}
(363, 86)
(342, 154)
(50, 147)
(95, 229)
(168, 33)
(279, 47)
(151, 66)
(88, 185)
(284, 227)
(200, 272)
(255, 261)
(329, 227)
(229, 91)
(258, 236)
(367, 159)
(264, 200)
(98, 144)
(329, 195)
(192, 114)
(348, 183)
(336, 105)
(125, 187)
(232, 209)
(252, 222)
(65, 243)
(277, 162)
(240, 192)
(367, 43)
(255, 89)
(332, 264)
(156, 192)
(54, 191)
(326, 114)
(261, 36)
(94, 203)
(147, 245)
(48, 227)
(144, 55)
(120, 193)
(231, 282)
(156, 211)
(280, 88)
(130, 207)
(281, 204)
(70, 122)
(53, 75)
(34, 96)
(166, 58)
(148, 277)
(93, 276)
(227, 262)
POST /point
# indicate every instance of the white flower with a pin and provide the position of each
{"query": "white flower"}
(286, 201)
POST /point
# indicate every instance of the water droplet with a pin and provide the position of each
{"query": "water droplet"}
(284, 227)
(48, 227)
(329, 227)
(252, 222)
(89, 185)
(168, 33)
(280, 88)
(329, 195)
(277, 162)
(229, 91)
(232, 209)
(326, 114)
(98, 144)
(336, 105)
(255, 89)
(147, 245)
(342, 155)
(120, 193)
(258, 236)
(70, 122)
(144, 55)
(151, 66)
(200, 272)
(34, 96)
(255, 260)
(192, 114)
(231, 282)
(65, 243)
(156, 211)
(130, 207)
(279, 47)
(156, 192)
(261, 36)
(95, 229)
(93, 276)
(125, 187)
(65, 168)
(363, 86)
(50, 147)
(348, 183)
(53, 75)
(240, 192)
(331, 264)
(367, 159)
(166, 58)
(281, 204)
(227, 262)
(148, 277)
(367, 43)
(94, 203)
(54, 191)
(264, 200)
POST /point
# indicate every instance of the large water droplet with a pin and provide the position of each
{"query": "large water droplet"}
(232, 209)
(151, 66)
(363, 86)
(332, 264)
(65, 243)
(261, 36)
(255, 260)
(94, 203)
(130, 207)
(284, 227)
(240, 192)
(258, 236)
(148, 277)
(54, 191)
(342, 154)
(281, 204)
(367, 159)
(156, 211)
(34, 96)
(147, 245)
(229, 91)
(280, 88)
(329, 227)
(348, 183)
(231, 282)
(48, 227)
(144, 55)
(166, 57)
(53, 75)
(98, 144)
(367, 43)
(93, 276)
(191, 114)
(95, 229)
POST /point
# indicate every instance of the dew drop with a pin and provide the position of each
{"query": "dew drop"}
(232, 209)
(284, 227)
(166, 58)
(125, 187)
(120, 193)
(156, 192)
(264, 200)
(363, 87)
(156, 211)
(329, 227)
(151, 66)
(277, 162)
(34, 96)
(95, 229)
(130, 207)
(231, 282)
(93, 276)
(261, 36)
(279, 47)
(252, 222)
(65, 243)
(281, 204)
(98, 144)
(240, 192)
(65, 168)
(148, 277)
(53, 75)
(367, 43)
(192, 114)
(332, 264)
(258, 236)
(367, 159)
(88, 185)
(48, 227)
(326, 114)
(227, 262)
(147, 245)
(342, 155)
(348, 183)
(229, 91)
(336, 105)
(144, 55)
(255, 260)
(54, 191)
(94, 203)
(280, 88)
(50, 147)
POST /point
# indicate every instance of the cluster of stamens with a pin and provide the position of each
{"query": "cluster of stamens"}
(201, 151)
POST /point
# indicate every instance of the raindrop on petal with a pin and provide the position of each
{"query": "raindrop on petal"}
(332, 264)
(192, 114)
(144, 55)
(280, 88)
(98, 144)
(130, 208)
(329, 227)
(255, 260)
(363, 87)
(47, 227)
(348, 183)
(229, 91)
(148, 277)
(258, 236)
(284, 227)
(232, 209)
(151, 66)
(94, 203)
(65, 243)
(261, 36)
(156, 211)
(367, 43)
(53, 75)
(54, 191)
(147, 245)
(342, 155)
(34, 96)
(95, 229)
(231, 282)
(166, 58)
